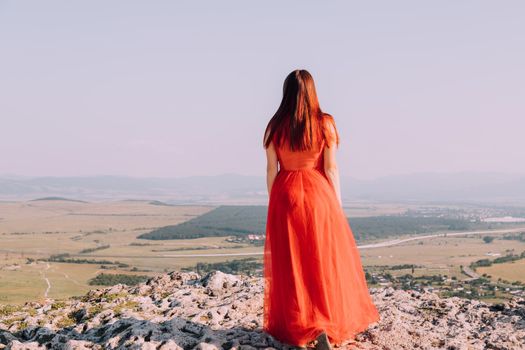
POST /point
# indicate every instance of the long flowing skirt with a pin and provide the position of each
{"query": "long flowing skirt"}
(314, 280)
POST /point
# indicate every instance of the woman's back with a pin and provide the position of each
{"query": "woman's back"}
(295, 160)
(313, 158)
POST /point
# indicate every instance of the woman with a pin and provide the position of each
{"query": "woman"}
(315, 288)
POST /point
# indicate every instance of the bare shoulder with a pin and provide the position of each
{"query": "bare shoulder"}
(330, 130)
(266, 135)
(327, 117)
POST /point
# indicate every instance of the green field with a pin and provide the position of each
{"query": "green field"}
(227, 220)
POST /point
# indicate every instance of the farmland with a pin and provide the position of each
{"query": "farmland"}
(55, 247)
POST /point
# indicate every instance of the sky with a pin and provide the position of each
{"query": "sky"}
(183, 88)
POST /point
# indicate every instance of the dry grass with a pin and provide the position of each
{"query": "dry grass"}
(511, 271)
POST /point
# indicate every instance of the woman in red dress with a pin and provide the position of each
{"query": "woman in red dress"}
(315, 287)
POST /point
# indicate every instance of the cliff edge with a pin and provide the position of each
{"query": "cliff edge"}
(184, 310)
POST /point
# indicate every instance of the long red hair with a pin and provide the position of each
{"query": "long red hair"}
(299, 118)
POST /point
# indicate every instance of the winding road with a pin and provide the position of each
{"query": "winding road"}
(388, 243)
(447, 234)
(382, 244)
(47, 280)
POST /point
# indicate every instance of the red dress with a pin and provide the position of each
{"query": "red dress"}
(313, 276)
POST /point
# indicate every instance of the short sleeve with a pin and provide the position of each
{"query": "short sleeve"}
(330, 131)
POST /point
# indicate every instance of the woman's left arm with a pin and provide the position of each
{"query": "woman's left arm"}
(271, 166)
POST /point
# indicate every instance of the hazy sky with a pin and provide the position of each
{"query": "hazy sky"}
(178, 88)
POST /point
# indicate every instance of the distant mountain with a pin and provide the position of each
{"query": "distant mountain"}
(460, 186)
(58, 199)
(244, 189)
(194, 189)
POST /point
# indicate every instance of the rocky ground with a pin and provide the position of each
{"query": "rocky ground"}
(183, 310)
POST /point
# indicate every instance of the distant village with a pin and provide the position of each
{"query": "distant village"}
(474, 286)
(252, 238)
(479, 288)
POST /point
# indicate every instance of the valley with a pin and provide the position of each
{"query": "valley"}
(55, 248)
